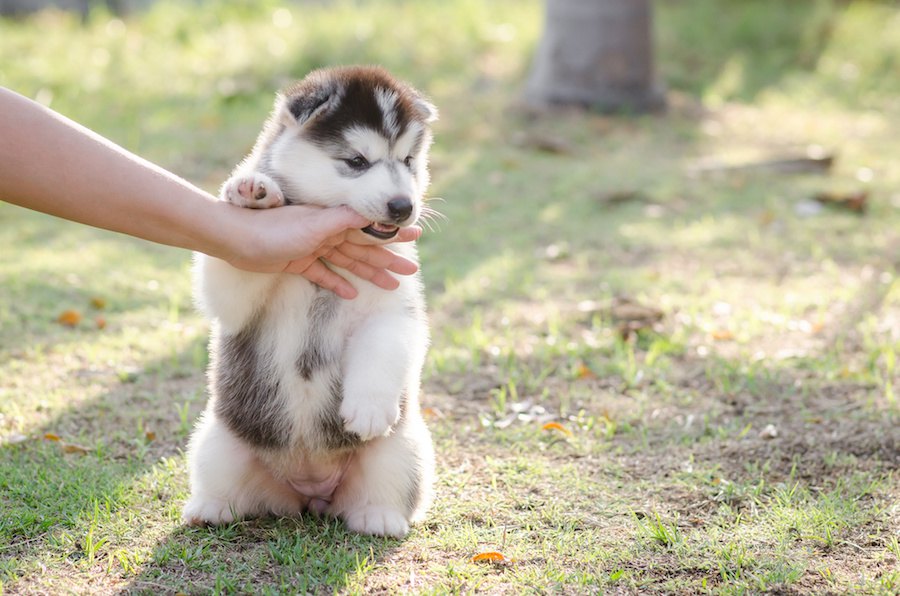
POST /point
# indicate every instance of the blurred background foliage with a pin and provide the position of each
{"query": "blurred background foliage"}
(202, 71)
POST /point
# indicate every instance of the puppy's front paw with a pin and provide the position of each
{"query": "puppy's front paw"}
(199, 512)
(377, 520)
(370, 418)
(254, 190)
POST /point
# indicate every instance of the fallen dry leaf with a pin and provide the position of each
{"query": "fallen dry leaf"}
(66, 447)
(150, 436)
(101, 322)
(620, 197)
(853, 201)
(584, 372)
(628, 310)
(73, 448)
(765, 218)
(69, 318)
(814, 161)
(98, 303)
(631, 316)
(557, 426)
(544, 142)
(432, 413)
(722, 335)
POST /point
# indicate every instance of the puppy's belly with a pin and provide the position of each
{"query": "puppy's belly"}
(318, 480)
(315, 479)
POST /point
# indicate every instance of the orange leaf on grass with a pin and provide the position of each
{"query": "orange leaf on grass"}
(69, 318)
(98, 303)
(432, 413)
(51, 436)
(584, 372)
(492, 557)
(557, 426)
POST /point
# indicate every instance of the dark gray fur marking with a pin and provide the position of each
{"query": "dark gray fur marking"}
(246, 392)
(314, 355)
(394, 171)
(347, 172)
(334, 435)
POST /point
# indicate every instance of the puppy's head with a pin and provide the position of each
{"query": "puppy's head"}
(353, 136)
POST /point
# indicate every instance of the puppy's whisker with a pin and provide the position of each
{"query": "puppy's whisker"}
(430, 220)
(425, 222)
(428, 211)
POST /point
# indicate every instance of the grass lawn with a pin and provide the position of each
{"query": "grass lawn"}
(717, 349)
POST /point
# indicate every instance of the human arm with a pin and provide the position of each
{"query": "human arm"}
(51, 164)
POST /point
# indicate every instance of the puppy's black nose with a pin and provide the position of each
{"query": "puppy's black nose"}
(399, 208)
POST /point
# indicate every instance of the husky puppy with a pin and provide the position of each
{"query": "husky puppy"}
(314, 400)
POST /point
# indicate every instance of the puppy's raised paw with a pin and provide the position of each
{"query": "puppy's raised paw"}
(253, 190)
(378, 520)
(369, 419)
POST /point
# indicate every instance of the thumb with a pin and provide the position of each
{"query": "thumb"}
(328, 222)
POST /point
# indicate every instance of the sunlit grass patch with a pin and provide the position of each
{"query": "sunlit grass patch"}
(736, 435)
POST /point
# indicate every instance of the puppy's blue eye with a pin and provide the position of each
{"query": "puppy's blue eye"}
(357, 163)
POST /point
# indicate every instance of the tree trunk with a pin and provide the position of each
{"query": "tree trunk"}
(596, 53)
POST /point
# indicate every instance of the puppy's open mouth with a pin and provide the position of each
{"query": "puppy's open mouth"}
(381, 231)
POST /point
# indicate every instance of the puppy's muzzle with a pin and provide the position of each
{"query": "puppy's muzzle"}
(399, 210)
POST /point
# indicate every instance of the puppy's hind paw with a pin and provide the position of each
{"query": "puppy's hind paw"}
(378, 520)
(253, 190)
(198, 512)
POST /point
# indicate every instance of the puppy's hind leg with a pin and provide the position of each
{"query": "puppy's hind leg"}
(389, 483)
(229, 482)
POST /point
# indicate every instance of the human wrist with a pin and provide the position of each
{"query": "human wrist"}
(221, 231)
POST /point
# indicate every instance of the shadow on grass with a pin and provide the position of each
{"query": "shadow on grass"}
(95, 499)
(91, 454)
(287, 555)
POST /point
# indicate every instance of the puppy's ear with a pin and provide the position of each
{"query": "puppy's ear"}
(305, 102)
(425, 108)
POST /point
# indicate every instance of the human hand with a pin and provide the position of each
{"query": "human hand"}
(296, 239)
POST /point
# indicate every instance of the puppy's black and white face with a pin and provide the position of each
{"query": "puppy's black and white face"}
(353, 136)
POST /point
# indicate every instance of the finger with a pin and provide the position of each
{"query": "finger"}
(377, 276)
(325, 223)
(357, 267)
(325, 278)
(403, 266)
(342, 218)
(378, 257)
(409, 234)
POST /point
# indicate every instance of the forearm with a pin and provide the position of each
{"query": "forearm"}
(53, 165)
